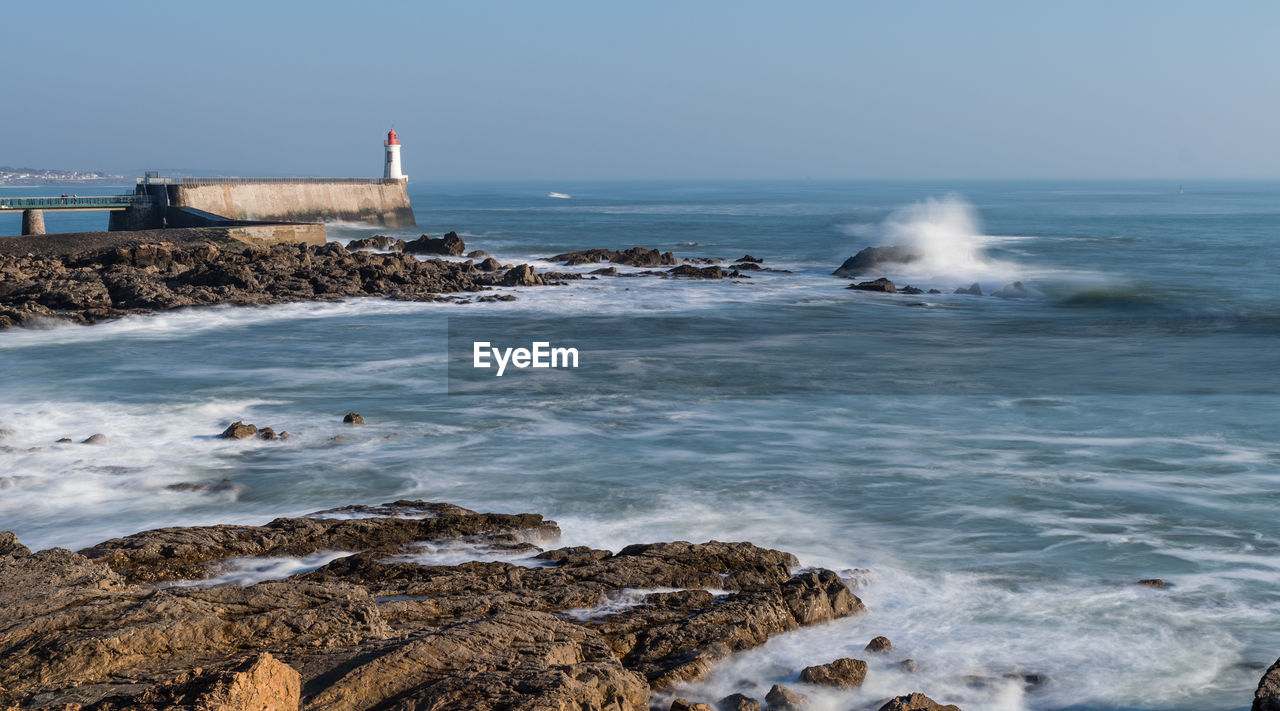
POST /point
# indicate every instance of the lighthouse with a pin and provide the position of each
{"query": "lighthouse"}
(391, 169)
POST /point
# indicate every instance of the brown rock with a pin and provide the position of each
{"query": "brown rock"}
(384, 627)
(1153, 583)
(843, 673)
(520, 275)
(687, 705)
(738, 702)
(260, 683)
(784, 699)
(239, 430)
(1267, 695)
(879, 645)
(353, 418)
(266, 433)
(916, 702)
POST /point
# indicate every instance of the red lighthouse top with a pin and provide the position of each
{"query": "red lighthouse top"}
(391, 138)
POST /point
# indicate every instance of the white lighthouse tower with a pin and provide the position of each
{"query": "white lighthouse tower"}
(392, 167)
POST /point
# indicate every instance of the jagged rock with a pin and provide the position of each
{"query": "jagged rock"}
(738, 702)
(490, 265)
(975, 289)
(521, 275)
(784, 699)
(1013, 291)
(266, 433)
(842, 673)
(934, 291)
(477, 254)
(879, 645)
(1153, 583)
(1267, 695)
(913, 290)
(747, 266)
(239, 430)
(450, 245)
(916, 702)
(381, 628)
(749, 259)
(97, 438)
(687, 705)
(872, 259)
(261, 683)
(353, 418)
(108, 283)
(634, 257)
(377, 242)
(692, 272)
(881, 284)
(9, 545)
(220, 485)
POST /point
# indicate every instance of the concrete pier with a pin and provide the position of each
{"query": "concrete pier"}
(33, 222)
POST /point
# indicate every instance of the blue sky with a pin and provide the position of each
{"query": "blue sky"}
(612, 90)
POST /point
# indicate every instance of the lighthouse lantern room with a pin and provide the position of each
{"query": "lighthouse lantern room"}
(391, 169)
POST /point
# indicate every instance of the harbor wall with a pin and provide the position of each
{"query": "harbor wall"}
(381, 202)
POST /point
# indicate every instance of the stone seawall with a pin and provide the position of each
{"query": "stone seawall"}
(383, 203)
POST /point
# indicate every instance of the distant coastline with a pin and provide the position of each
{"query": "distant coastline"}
(33, 177)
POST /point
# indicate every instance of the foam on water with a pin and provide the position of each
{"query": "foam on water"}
(250, 571)
(1001, 533)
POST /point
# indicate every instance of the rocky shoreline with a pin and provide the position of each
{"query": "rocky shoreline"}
(139, 623)
(106, 283)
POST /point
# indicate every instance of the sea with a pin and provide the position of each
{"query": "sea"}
(992, 474)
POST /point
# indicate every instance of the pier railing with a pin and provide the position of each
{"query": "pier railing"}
(263, 181)
(86, 202)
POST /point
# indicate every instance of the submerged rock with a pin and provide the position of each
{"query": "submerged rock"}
(239, 430)
(353, 418)
(916, 702)
(873, 259)
(692, 272)
(974, 289)
(97, 438)
(842, 673)
(881, 284)
(1013, 291)
(634, 257)
(784, 699)
(879, 645)
(738, 702)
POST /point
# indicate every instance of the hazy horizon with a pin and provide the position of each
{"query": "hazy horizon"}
(579, 91)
